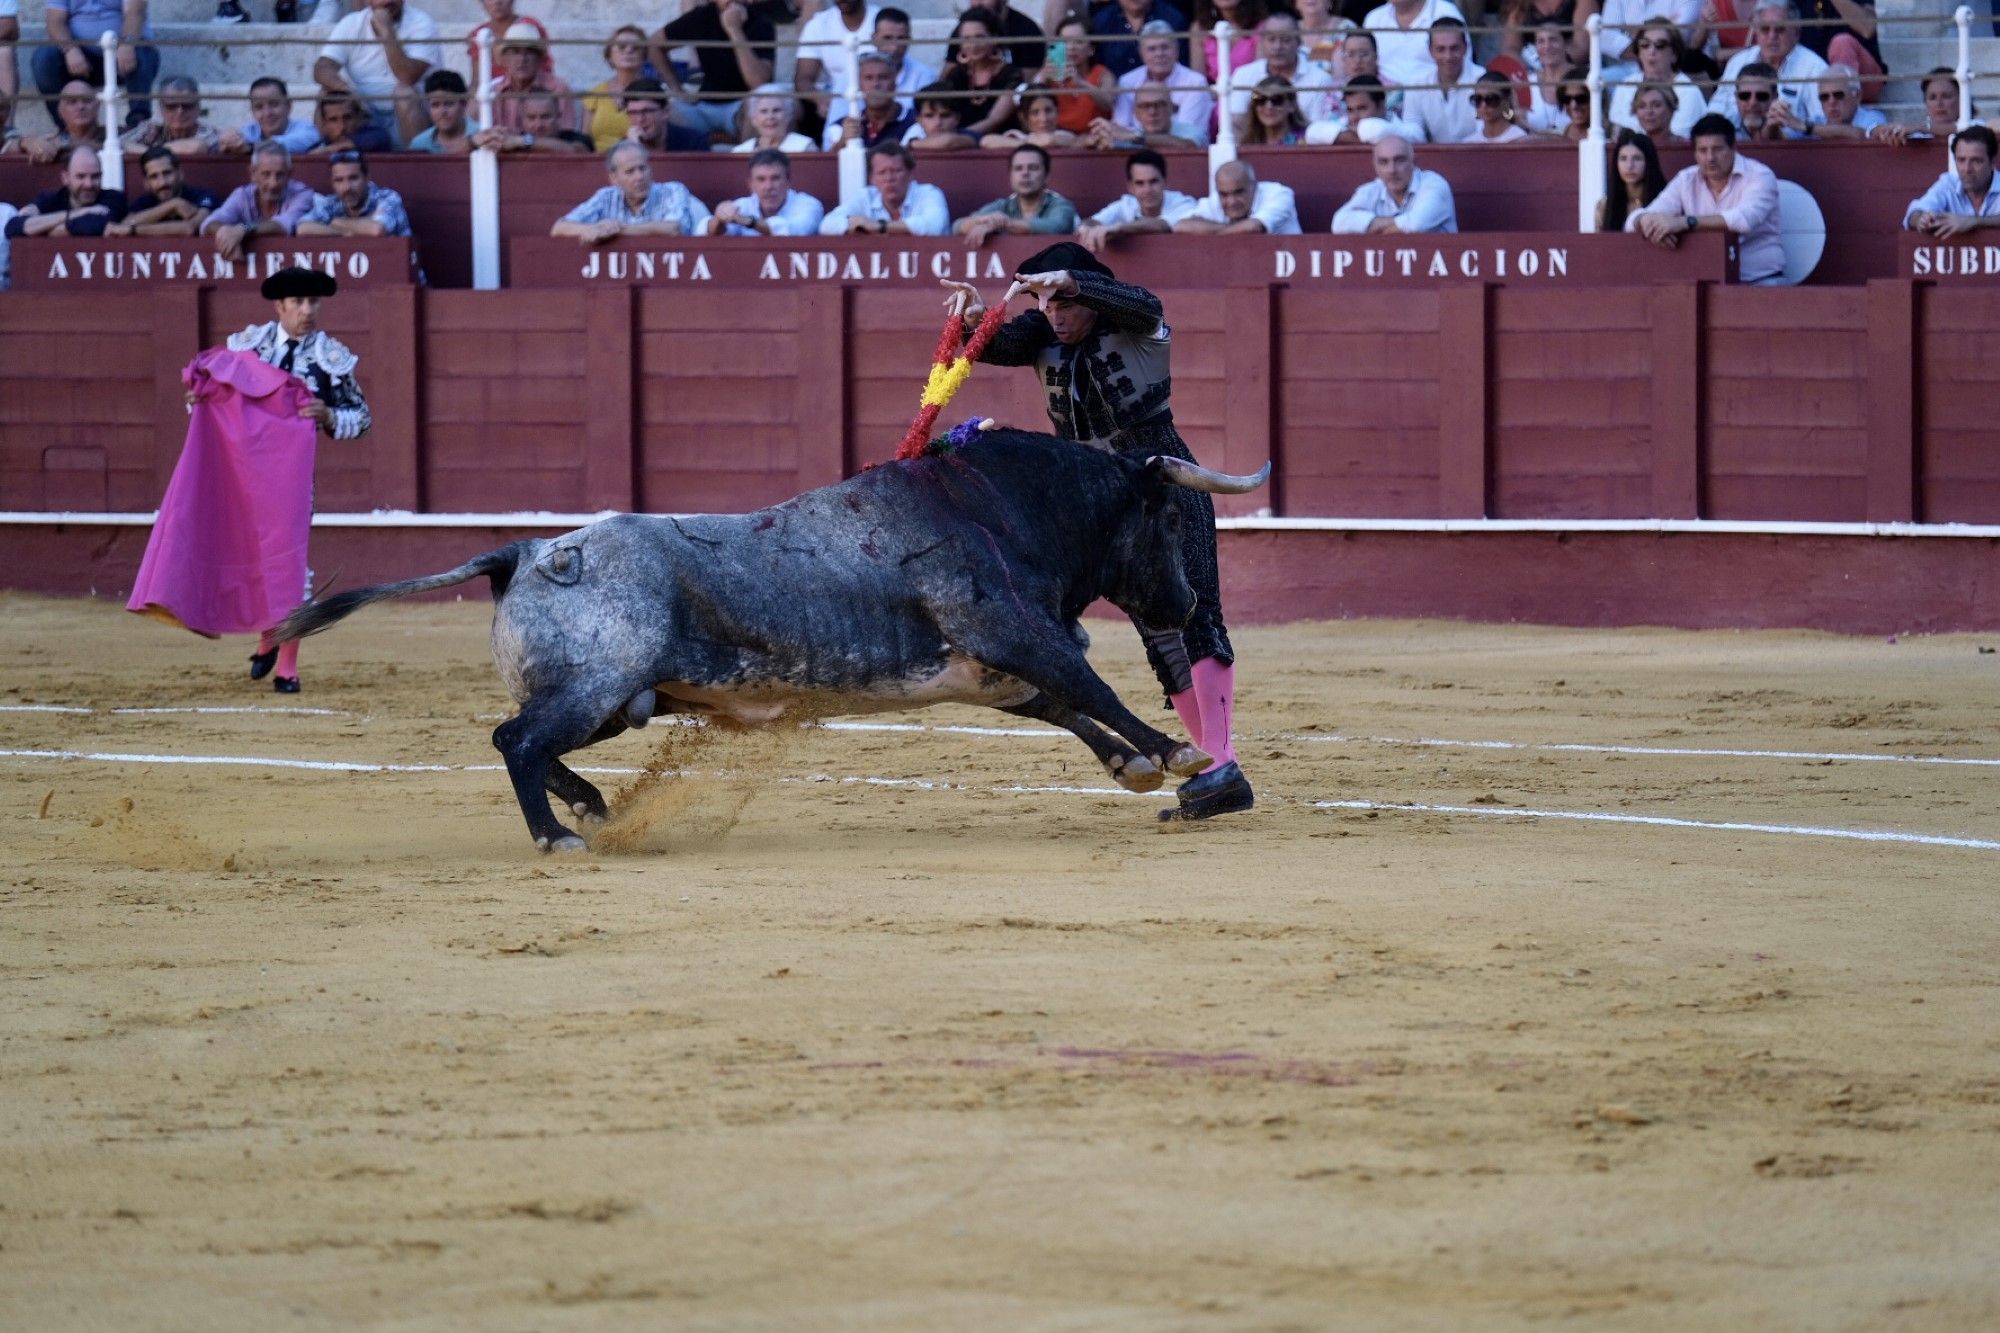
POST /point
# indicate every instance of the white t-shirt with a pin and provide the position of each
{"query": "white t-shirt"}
(1798, 84)
(1329, 131)
(824, 38)
(1173, 207)
(1406, 52)
(1314, 83)
(1688, 106)
(794, 143)
(1446, 113)
(1274, 205)
(365, 67)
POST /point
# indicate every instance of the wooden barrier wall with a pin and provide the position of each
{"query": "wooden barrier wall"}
(1678, 400)
(1861, 188)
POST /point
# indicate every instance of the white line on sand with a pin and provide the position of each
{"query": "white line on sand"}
(1663, 821)
(927, 784)
(273, 709)
(1433, 742)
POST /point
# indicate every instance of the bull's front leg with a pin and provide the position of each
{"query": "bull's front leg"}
(1127, 767)
(1049, 660)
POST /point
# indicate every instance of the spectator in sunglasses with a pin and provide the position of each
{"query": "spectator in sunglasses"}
(1775, 36)
(1494, 111)
(1274, 114)
(1574, 98)
(1754, 108)
(1840, 99)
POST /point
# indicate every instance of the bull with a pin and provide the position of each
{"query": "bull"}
(955, 577)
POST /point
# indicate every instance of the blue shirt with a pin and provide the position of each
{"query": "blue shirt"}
(1948, 195)
(925, 212)
(667, 201)
(382, 205)
(1117, 44)
(299, 135)
(91, 19)
(800, 216)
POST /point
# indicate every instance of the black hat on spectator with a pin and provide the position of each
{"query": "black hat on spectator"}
(289, 282)
(1064, 255)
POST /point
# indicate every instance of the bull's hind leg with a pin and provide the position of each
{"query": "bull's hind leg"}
(578, 793)
(1127, 767)
(533, 744)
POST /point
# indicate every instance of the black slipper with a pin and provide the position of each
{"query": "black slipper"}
(1222, 790)
(261, 664)
(285, 684)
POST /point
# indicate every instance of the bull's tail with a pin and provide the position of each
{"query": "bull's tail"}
(315, 616)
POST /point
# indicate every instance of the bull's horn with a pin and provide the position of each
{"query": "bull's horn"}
(1198, 478)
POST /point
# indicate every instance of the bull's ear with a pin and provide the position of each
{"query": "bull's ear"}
(1198, 478)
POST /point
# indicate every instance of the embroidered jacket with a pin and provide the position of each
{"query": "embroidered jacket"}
(1116, 379)
(324, 363)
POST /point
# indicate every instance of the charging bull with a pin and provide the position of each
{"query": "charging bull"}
(956, 577)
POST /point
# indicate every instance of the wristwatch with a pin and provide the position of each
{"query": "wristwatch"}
(1691, 221)
(527, 141)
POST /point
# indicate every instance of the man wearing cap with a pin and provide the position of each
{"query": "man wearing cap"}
(1103, 350)
(294, 342)
(524, 61)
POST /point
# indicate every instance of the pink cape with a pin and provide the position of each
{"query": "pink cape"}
(228, 551)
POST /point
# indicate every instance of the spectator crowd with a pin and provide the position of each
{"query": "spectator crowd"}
(1125, 76)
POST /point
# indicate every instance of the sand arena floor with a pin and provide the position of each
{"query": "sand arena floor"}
(284, 1047)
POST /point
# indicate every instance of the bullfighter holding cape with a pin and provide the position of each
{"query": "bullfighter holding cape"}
(1102, 350)
(228, 551)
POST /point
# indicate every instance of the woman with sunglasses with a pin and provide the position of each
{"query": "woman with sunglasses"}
(1657, 47)
(1640, 180)
(1493, 109)
(603, 106)
(1573, 95)
(1274, 114)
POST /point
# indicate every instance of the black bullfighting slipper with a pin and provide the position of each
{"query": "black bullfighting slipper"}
(261, 664)
(290, 685)
(1222, 790)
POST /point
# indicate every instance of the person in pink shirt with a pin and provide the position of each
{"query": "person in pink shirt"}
(1722, 191)
(524, 68)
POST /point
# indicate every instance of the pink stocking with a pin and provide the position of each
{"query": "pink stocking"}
(1215, 695)
(1187, 707)
(288, 660)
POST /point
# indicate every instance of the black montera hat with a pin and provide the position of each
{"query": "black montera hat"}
(298, 282)
(1064, 255)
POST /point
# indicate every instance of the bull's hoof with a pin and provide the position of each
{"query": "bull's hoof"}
(567, 843)
(1188, 760)
(588, 813)
(639, 709)
(1136, 774)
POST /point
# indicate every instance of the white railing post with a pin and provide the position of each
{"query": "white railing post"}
(1963, 18)
(485, 179)
(1223, 150)
(1590, 173)
(853, 157)
(113, 156)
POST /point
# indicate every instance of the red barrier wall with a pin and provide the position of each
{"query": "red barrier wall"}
(1469, 400)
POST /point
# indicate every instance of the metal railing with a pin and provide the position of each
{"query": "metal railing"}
(1592, 174)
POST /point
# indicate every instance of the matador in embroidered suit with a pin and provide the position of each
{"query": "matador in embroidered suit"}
(1103, 350)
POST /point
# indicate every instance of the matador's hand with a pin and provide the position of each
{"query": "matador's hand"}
(1044, 287)
(963, 299)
